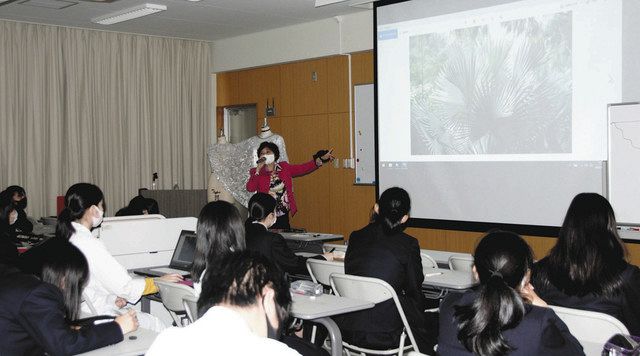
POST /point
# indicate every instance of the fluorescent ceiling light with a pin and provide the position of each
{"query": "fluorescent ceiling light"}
(128, 14)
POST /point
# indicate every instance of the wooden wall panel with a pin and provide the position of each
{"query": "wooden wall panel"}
(362, 68)
(338, 84)
(304, 135)
(285, 107)
(310, 96)
(227, 88)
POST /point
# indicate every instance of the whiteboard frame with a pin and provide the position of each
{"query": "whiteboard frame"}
(610, 166)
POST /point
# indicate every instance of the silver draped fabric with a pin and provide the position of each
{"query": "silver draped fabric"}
(230, 163)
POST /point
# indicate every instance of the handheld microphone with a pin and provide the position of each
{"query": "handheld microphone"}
(262, 159)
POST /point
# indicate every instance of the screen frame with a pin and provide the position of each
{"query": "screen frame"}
(459, 225)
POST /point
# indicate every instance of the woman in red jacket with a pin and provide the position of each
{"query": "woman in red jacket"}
(275, 178)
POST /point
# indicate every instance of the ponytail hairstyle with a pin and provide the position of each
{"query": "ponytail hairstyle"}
(219, 231)
(393, 205)
(79, 198)
(260, 206)
(502, 259)
(66, 268)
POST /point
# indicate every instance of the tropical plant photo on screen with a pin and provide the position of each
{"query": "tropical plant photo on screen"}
(502, 88)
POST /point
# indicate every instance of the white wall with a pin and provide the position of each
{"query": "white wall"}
(308, 40)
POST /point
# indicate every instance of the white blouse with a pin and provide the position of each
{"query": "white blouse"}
(108, 279)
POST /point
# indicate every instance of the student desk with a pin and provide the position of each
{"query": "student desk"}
(447, 279)
(310, 236)
(308, 241)
(134, 343)
(319, 309)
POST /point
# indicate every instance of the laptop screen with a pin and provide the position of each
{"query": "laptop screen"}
(185, 250)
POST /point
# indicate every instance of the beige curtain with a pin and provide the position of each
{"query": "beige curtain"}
(100, 107)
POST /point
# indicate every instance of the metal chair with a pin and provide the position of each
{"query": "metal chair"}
(190, 303)
(590, 327)
(376, 291)
(172, 294)
(320, 270)
(462, 263)
(428, 261)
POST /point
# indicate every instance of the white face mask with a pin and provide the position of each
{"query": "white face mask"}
(97, 220)
(13, 217)
(270, 158)
(273, 222)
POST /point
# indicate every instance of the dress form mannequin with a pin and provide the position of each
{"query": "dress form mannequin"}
(265, 131)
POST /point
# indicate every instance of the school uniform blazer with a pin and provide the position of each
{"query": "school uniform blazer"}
(274, 247)
(541, 332)
(396, 260)
(623, 306)
(286, 172)
(32, 320)
(108, 279)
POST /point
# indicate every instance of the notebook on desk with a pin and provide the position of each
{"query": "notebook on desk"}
(181, 261)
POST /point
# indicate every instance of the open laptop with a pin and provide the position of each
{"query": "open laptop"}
(181, 261)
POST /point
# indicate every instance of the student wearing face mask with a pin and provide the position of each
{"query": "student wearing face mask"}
(262, 216)
(275, 178)
(242, 309)
(110, 286)
(8, 216)
(19, 200)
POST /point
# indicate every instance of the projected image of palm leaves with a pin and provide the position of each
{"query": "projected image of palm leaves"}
(499, 89)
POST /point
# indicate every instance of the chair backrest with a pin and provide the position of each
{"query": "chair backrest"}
(373, 290)
(428, 261)
(462, 263)
(337, 247)
(320, 270)
(190, 303)
(590, 326)
(172, 293)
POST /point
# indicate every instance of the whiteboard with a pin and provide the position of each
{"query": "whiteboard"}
(364, 135)
(624, 162)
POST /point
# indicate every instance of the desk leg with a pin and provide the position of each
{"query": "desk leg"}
(145, 305)
(334, 334)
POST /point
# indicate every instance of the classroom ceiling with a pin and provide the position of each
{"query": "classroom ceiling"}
(204, 20)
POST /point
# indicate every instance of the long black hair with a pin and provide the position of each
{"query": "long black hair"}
(260, 206)
(589, 256)
(79, 198)
(393, 205)
(67, 268)
(220, 230)
(502, 260)
(6, 207)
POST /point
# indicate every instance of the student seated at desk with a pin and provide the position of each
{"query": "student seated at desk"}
(262, 215)
(219, 232)
(18, 197)
(503, 315)
(587, 268)
(139, 205)
(110, 286)
(381, 250)
(8, 249)
(242, 307)
(38, 316)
